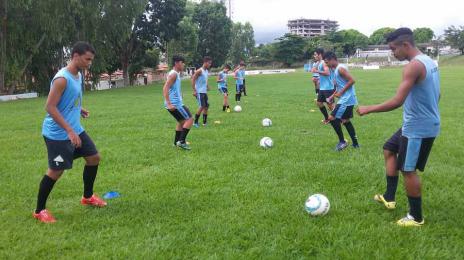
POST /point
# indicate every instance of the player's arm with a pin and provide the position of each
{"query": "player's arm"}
(411, 74)
(167, 85)
(59, 85)
(326, 71)
(350, 81)
(194, 79)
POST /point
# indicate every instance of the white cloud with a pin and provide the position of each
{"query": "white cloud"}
(269, 17)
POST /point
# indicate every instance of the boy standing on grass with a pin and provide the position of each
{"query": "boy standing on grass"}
(200, 90)
(173, 102)
(239, 77)
(408, 149)
(64, 135)
(346, 94)
(222, 87)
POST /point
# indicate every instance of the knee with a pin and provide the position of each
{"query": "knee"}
(54, 175)
(93, 160)
(388, 154)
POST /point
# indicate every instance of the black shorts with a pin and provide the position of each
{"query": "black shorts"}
(61, 153)
(223, 90)
(202, 99)
(342, 111)
(323, 95)
(181, 113)
(412, 152)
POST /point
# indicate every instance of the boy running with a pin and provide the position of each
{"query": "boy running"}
(64, 135)
(173, 102)
(346, 94)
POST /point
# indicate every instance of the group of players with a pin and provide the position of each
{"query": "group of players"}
(406, 151)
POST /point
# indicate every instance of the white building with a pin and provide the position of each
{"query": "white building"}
(311, 27)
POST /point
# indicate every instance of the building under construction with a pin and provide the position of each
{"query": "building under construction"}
(311, 27)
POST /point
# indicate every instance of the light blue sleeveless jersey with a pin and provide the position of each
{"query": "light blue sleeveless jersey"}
(325, 82)
(421, 116)
(222, 76)
(69, 106)
(349, 97)
(202, 82)
(175, 92)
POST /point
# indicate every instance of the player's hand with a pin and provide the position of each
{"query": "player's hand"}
(75, 139)
(313, 70)
(363, 110)
(194, 93)
(85, 113)
(337, 94)
(331, 118)
(171, 107)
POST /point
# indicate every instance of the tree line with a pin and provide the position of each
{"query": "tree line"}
(36, 36)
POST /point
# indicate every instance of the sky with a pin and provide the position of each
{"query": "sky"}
(269, 17)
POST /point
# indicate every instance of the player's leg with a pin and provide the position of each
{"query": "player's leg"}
(322, 108)
(45, 187)
(179, 129)
(346, 119)
(244, 88)
(186, 125)
(197, 115)
(205, 104)
(390, 153)
(336, 122)
(238, 93)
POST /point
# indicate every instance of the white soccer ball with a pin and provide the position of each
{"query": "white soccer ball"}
(267, 122)
(317, 205)
(266, 142)
(238, 108)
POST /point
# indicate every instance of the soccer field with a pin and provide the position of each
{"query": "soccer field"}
(229, 198)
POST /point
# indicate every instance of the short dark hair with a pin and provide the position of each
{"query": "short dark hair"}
(177, 58)
(82, 48)
(330, 55)
(401, 35)
(207, 59)
(227, 66)
(319, 51)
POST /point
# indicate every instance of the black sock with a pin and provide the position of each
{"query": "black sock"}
(392, 184)
(350, 128)
(205, 118)
(177, 138)
(46, 186)
(236, 97)
(415, 208)
(184, 134)
(324, 112)
(197, 116)
(228, 106)
(89, 175)
(337, 126)
(224, 108)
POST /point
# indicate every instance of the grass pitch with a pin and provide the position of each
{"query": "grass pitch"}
(228, 198)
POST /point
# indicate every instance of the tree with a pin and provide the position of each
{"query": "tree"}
(3, 20)
(186, 43)
(423, 35)
(378, 36)
(455, 37)
(289, 49)
(347, 41)
(243, 42)
(214, 32)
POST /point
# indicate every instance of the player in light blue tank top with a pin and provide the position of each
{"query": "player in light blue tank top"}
(346, 95)
(326, 86)
(200, 90)
(408, 149)
(173, 102)
(315, 78)
(64, 135)
(222, 87)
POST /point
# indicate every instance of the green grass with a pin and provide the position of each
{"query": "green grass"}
(228, 198)
(452, 60)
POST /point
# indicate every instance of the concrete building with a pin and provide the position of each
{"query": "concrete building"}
(311, 27)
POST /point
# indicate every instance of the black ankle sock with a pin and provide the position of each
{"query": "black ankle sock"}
(336, 124)
(177, 138)
(89, 175)
(324, 112)
(415, 207)
(350, 128)
(205, 118)
(236, 97)
(46, 186)
(392, 184)
(184, 134)
(197, 116)
(223, 108)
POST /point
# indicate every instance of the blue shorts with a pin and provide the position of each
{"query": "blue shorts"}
(412, 152)
(342, 111)
(223, 90)
(239, 88)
